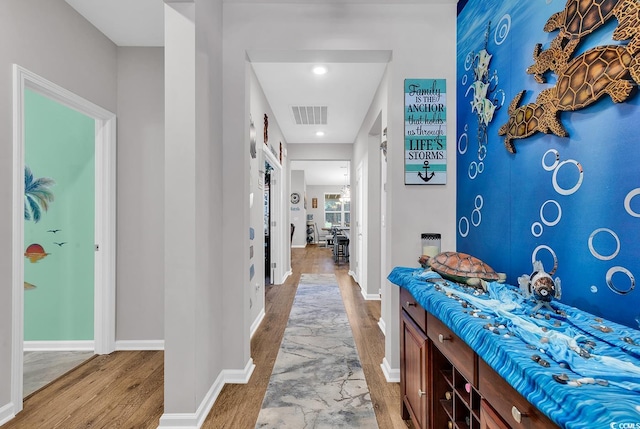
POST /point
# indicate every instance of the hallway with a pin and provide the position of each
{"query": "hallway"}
(233, 410)
(124, 389)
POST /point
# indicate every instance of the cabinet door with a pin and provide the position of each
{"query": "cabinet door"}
(413, 371)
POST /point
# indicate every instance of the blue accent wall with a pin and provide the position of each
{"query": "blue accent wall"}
(575, 197)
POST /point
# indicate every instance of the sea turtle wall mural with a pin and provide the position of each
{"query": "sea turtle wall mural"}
(566, 190)
(582, 79)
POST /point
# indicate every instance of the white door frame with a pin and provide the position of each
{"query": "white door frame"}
(361, 227)
(105, 219)
(276, 218)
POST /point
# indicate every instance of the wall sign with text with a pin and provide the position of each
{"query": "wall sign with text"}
(425, 132)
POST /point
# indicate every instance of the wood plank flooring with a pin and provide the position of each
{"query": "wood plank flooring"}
(125, 389)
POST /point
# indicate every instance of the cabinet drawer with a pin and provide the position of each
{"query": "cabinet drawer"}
(507, 402)
(411, 306)
(489, 419)
(452, 347)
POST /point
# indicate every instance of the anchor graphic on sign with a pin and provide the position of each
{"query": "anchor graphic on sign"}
(426, 176)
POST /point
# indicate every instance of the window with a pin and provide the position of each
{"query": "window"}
(336, 210)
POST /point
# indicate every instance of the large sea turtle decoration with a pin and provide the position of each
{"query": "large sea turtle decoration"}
(627, 13)
(540, 286)
(581, 17)
(461, 268)
(581, 80)
(527, 120)
(578, 19)
(554, 59)
(599, 71)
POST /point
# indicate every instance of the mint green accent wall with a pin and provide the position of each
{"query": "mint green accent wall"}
(59, 144)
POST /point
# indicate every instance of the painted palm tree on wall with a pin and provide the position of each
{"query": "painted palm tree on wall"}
(37, 195)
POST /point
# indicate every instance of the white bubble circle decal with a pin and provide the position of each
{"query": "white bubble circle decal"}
(534, 255)
(463, 220)
(623, 270)
(502, 29)
(478, 202)
(555, 162)
(569, 191)
(536, 229)
(593, 249)
(464, 138)
(557, 219)
(478, 216)
(593, 289)
(482, 152)
(627, 202)
(473, 170)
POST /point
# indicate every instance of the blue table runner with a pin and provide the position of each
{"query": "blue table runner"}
(599, 360)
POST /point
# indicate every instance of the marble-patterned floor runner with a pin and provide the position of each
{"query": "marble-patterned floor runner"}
(317, 380)
(41, 368)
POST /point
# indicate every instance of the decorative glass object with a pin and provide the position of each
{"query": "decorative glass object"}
(430, 244)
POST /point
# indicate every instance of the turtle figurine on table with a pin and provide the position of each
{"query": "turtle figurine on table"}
(461, 268)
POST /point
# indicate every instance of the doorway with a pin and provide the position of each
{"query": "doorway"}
(273, 220)
(268, 277)
(94, 172)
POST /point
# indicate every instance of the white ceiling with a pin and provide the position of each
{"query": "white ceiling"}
(125, 22)
(347, 90)
(286, 78)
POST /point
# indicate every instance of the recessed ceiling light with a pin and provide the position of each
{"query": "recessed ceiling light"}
(319, 133)
(319, 70)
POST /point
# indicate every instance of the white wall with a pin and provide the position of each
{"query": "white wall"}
(367, 156)
(422, 39)
(298, 212)
(50, 39)
(199, 312)
(140, 193)
(259, 106)
(321, 152)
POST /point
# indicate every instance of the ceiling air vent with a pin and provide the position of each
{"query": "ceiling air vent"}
(310, 115)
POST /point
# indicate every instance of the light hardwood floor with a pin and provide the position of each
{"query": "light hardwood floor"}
(125, 389)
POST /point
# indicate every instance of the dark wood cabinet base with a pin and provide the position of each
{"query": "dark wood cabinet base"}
(444, 384)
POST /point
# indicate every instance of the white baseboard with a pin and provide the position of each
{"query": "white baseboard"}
(370, 296)
(391, 374)
(239, 376)
(195, 420)
(286, 276)
(48, 346)
(383, 326)
(256, 323)
(6, 413)
(134, 345)
(366, 296)
(299, 246)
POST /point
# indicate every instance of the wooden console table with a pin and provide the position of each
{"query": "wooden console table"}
(444, 384)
